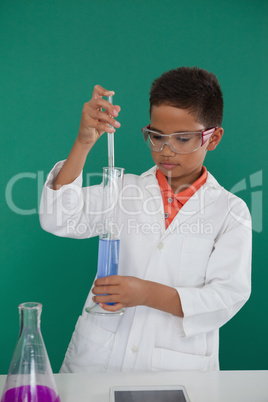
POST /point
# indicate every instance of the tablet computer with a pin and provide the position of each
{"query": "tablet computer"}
(153, 393)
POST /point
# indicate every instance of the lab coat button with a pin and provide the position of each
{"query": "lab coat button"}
(160, 245)
(134, 349)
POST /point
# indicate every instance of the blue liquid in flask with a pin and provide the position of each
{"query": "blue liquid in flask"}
(108, 257)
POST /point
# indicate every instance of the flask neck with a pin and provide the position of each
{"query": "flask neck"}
(30, 316)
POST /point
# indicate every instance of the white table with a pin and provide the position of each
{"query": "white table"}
(222, 386)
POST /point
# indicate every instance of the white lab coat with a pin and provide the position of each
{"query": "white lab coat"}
(205, 254)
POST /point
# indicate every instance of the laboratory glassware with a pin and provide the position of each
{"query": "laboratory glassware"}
(110, 138)
(109, 240)
(30, 377)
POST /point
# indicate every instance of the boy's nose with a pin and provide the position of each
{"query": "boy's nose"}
(167, 150)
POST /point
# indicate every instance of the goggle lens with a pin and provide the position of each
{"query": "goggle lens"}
(181, 143)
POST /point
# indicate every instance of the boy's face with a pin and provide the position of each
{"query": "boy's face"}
(181, 170)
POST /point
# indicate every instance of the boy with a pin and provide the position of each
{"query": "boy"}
(185, 245)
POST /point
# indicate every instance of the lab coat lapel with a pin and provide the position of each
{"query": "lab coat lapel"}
(197, 204)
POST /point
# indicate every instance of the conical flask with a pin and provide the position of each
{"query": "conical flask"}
(30, 377)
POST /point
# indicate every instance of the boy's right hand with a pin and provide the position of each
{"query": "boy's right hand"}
(97, 116)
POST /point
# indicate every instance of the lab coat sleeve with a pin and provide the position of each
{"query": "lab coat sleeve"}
(228, 276)
(72, 211)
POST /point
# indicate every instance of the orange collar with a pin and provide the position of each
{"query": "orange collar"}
(184, 195)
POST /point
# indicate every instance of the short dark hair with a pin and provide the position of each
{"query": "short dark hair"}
(190, 88)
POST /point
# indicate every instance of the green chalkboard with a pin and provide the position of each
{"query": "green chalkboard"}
(52, 55)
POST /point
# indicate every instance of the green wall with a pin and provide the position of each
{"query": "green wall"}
(52, 54)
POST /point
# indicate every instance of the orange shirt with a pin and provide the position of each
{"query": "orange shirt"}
(173, 202)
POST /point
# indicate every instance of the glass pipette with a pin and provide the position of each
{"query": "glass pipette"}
(111, 171)
(110, 143)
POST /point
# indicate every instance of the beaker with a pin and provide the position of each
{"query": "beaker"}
(109, 240)
(30, 378)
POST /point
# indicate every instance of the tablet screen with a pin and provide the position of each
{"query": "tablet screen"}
(171, 395)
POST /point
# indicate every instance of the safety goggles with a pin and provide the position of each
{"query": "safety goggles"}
(180, 143)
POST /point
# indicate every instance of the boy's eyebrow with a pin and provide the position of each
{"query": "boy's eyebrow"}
(184, 131)
(155, 129)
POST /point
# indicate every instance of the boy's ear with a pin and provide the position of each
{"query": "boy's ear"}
(215, 139)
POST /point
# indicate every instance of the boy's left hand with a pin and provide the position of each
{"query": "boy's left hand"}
(123, 291)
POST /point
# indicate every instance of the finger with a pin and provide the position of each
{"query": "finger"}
(99, 91)
(108, 289)
(108, 280)
(92, 111)
(115, 307)
(89, 122)
(101, 103)
(106, 299)
(103, 117)
(104, 128)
